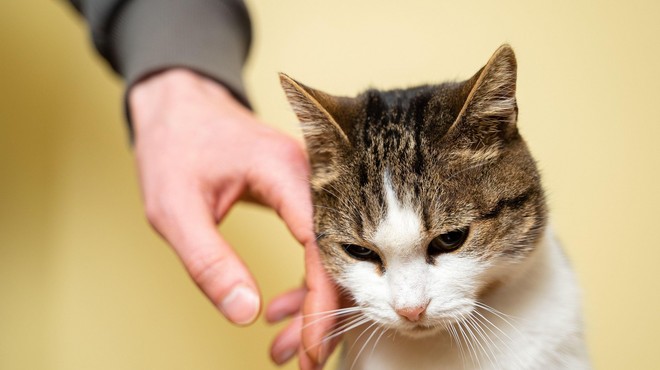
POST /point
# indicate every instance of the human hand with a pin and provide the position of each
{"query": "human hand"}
(312, 308)
(199, 151)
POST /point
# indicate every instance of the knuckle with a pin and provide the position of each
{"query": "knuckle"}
(158, 210)
(153, 210)
(291, 150)
(204, 267)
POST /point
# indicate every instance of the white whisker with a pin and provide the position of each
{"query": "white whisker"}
(324, 318)
(348, 327)
(339, 310)
(488, 342)
(383, 331)
(471, 330)
(459, 343)
(360, 336)
(502, 316)
(365, 343)
(485, 323)
(470, 348)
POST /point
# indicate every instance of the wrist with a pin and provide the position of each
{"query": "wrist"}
(171, 88)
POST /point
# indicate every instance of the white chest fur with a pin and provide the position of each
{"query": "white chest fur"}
(536, 324)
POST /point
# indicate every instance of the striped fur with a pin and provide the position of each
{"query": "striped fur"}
(393, 170)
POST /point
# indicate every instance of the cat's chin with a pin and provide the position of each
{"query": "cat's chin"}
(419, 331)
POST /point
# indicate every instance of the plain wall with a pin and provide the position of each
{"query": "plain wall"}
(86, 284)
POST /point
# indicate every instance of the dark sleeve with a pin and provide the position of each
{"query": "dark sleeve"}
(141, 37)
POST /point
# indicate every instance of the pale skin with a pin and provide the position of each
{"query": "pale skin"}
(198, 152)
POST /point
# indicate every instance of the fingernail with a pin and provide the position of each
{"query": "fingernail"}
(286, 356)
(241, 305)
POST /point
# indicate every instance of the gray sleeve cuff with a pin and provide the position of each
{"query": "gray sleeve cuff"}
(210, 37)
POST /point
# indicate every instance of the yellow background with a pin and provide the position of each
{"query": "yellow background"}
(85, 283)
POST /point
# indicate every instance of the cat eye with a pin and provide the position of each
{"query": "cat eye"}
(448, 242)
(361, 253)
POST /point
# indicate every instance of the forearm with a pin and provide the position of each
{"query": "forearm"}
(142, 37)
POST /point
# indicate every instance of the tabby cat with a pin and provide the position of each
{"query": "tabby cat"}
(430, 214)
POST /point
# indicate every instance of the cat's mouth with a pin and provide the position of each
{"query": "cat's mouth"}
(418, 330)
(422, 328)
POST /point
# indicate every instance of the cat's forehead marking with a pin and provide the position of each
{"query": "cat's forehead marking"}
(401, 227)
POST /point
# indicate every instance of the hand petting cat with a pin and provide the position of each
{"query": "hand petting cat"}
(198, 152)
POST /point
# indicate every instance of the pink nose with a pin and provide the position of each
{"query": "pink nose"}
(411, 313)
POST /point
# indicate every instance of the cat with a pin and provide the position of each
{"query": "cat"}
(430, 214)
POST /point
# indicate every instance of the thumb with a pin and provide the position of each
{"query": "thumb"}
(188, 225)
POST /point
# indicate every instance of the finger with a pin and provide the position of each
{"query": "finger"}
(281, 182)
(187, 222)
(287, 342)
(285, 305)
(322, 296)
(305, 362)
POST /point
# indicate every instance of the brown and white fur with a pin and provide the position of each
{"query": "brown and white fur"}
(430, 215)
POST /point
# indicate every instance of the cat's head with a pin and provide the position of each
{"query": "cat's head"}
(424, 198)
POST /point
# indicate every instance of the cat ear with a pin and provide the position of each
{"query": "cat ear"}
(326, 120)
(490, 110)
(318, 111)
